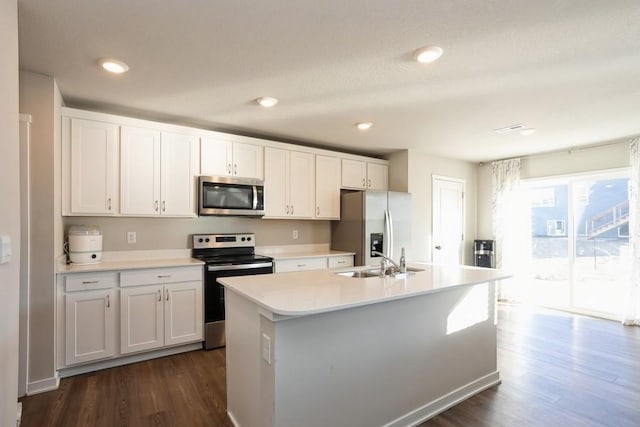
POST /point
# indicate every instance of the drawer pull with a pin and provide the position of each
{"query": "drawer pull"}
(90, 282)
(302, 265)
(341, 262)
(163, 276)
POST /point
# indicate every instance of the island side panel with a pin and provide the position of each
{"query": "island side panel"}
(396, 362)
(249, 384)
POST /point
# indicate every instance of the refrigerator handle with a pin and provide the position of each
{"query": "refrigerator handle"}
(391, 236)
(387, 232)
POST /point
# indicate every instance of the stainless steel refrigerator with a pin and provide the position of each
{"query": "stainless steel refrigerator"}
(373, 220)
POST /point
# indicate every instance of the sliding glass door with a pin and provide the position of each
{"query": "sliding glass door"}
(579, 257)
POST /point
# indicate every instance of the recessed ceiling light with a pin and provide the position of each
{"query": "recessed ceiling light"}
(528, 131)
(364, 125)
(428, 54)
(113, 65)
(267, 101)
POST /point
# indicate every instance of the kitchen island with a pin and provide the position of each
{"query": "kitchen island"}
(316, 348)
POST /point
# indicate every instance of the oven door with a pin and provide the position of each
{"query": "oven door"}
(231, 196)
(214, 291)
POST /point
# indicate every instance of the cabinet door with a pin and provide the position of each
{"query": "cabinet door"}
(139, 171)
(90, 326)
(327, 187)
(276, 197)
(93, 167)
(183, 320)
(178, 171)
(141, 318)
(248, 160)
(216, 157)
(377, 176)
(302, 185)
(354, 174)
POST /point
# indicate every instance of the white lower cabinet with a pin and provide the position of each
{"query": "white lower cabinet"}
(156, 308)
(313, 263)
(90, 324)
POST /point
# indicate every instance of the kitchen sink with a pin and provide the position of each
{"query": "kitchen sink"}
(360, 274)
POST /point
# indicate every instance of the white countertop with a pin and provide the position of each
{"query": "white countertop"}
(128, 265)
(310, 292)
(307, 254)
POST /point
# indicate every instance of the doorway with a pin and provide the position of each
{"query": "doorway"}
(579, 248)
(447, 220)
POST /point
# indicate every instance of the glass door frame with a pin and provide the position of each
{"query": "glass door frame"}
(570, 180)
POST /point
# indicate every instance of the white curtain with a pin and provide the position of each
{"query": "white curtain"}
(508, 225)
(632, 312)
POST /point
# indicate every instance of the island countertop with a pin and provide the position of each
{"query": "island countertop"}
(319, 291)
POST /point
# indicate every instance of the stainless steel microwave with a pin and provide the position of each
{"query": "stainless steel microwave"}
(220, 195)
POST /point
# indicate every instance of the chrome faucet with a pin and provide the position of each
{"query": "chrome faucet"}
(402, 267)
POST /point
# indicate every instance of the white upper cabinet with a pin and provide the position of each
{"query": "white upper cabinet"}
(354, 174)
(360, 175)
(139, 171)
(93, 162)
(327, 187)
(377, 176)
(157, 173)
(289, 184)
(219, 157)
(178, 171)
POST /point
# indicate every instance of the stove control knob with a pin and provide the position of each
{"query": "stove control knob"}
(248, 239)
(243, 239)
(200, 240)
(206, 240)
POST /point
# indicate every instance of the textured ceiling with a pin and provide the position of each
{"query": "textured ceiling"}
(569, 68)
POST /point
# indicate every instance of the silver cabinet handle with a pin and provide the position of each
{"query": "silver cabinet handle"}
(287, 209)
(109, 201)
(364, 184)
(164, 206)
(108, 302)
(163, 276)
(166, 291)
(318, 210)
(292, 209)
(229, 168)
(369, 183)
(341, 262)
(156, 206)
(90, 282)
(159, 295)
(235, 169)
(302, 265)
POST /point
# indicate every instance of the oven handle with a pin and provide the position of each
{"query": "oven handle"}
(238, 266)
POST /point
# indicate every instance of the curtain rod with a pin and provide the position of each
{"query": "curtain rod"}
(568, 150)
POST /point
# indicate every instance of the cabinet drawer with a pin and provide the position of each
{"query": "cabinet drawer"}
(160, 275)
(341, 261)
(90, 281)
(301, 264)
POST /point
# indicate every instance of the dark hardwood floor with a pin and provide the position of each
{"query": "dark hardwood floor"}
(557, 370)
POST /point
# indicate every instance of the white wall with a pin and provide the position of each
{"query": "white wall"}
(39, 97)
(9, 211)
(418, 168)
(610, 155)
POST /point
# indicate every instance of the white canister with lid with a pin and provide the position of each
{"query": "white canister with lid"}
(85, 244)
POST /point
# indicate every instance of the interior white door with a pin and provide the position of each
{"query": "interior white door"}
(447, 220)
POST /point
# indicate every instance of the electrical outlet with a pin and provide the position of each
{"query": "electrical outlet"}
(266, 348)
(131, 236)
(295, 234)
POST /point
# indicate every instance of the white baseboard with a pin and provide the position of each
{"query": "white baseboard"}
(44, 385)
(125, 360)
(445, 402)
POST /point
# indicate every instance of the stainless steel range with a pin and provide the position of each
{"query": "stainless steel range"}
(225, 255)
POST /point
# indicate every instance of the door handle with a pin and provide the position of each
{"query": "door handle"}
(364, 184)
(369, 183)
(159, 295)
(156, 206)
(108, 301)
(292, 209)
(235, 169)
(229, 168)
(164, 206)
(318, 210)
(166, 291)
(438, 247)
(287, 209)
(109, 200)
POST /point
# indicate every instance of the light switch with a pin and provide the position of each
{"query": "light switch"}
(5, 249)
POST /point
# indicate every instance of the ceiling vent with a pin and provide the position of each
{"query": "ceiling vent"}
(508, 129)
